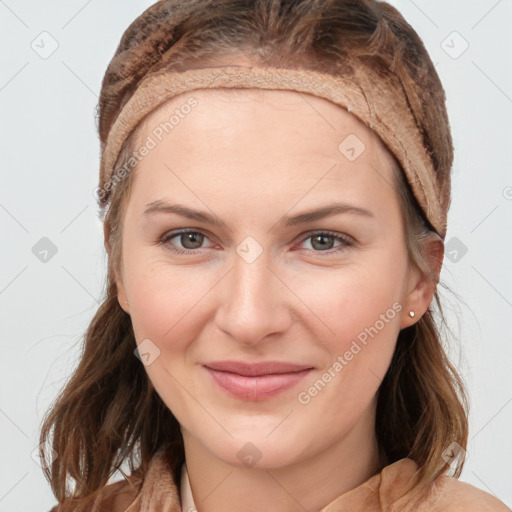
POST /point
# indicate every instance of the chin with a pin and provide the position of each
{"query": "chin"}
(257, 446)
(258, 454)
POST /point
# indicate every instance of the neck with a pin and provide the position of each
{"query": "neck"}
(307, 485)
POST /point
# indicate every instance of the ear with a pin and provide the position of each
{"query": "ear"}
(421, 286)
(121, 295)
(118, 277)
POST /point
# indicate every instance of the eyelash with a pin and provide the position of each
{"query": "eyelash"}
(338, 237)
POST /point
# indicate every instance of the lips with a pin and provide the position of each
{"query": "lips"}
(256, 381)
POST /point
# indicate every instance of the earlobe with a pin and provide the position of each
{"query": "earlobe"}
(121, 295)
(423, 286)
(417, 301)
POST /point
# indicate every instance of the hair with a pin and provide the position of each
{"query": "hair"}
(108, 412)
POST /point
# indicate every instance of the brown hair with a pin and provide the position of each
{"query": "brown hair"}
(109, 413)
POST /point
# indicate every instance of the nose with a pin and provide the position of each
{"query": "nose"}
(253, 302)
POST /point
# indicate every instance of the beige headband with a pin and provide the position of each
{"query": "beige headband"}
(385, 111)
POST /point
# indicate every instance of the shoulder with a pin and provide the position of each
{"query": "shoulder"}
(154, 486)
(444, 494)
(457, 496)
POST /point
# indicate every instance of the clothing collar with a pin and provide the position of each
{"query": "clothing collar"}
(385, 491)
(187, 500)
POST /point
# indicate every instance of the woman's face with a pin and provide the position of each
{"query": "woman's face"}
(263, 227)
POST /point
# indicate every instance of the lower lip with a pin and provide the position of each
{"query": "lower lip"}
(256, 389)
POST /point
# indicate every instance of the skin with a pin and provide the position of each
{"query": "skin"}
(251, 157)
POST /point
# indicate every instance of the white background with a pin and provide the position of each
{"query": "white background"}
(49, 162)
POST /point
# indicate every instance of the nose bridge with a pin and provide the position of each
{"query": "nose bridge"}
(250, 283)
(253, 301)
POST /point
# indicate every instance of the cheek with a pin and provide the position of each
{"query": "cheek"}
(363, 315)
(349, 300)
(163, 299)
(361, 307)
(166, 308)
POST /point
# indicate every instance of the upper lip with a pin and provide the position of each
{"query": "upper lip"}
(255, 369)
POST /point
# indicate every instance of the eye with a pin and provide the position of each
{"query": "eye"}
(324, 241)
(189, 241)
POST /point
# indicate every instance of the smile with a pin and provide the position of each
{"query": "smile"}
(256, 382)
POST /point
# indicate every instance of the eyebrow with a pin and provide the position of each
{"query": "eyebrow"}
(329, 210)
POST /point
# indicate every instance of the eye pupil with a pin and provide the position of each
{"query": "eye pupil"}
(189, 239)
(322, 239)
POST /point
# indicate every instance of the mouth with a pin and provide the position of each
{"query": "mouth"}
(256, 381)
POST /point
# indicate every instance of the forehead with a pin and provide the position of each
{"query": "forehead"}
(250, 142)
(252, 110)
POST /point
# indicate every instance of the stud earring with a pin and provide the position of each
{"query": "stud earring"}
(412, 314)
(126, 302)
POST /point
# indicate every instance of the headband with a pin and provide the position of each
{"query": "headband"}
(380, 106)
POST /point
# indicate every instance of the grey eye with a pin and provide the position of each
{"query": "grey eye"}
(322, 242)
(191, 240)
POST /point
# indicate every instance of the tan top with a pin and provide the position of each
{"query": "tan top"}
(383, 492)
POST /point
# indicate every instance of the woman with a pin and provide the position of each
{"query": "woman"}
(275, 181)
